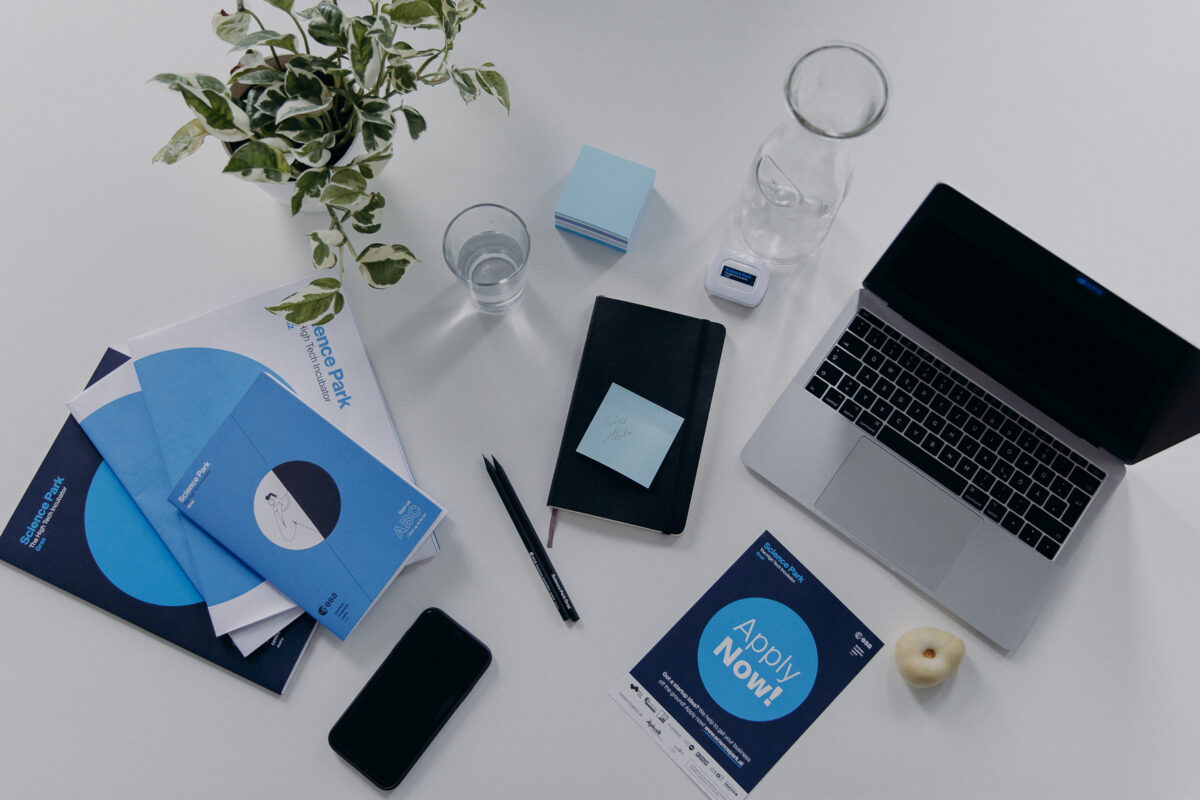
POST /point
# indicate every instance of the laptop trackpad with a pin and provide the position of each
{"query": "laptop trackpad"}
(898, 512)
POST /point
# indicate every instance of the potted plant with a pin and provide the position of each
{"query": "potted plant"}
(287, 114)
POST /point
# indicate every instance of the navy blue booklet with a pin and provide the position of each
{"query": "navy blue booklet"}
(746, 670)
(77, 528)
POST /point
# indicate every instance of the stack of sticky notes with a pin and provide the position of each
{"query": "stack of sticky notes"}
(604, 198)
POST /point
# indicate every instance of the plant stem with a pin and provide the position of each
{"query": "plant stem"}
(336, 224)
(427, 62)
(262, 27)
(300, 28)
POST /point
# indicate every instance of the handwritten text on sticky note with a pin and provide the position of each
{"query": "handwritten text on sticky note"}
(630, 434)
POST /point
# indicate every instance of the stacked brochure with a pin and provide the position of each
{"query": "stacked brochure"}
(297, 499)
(136, 430)
(77, 528)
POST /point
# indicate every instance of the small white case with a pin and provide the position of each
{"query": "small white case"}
(737, 277)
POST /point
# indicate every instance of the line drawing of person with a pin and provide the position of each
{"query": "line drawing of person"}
(285, 519)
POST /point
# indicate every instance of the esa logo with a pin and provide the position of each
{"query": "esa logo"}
(324, 609)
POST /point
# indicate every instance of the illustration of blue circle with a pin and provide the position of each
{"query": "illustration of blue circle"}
(758, 659)
(200, 385)
(126, 548)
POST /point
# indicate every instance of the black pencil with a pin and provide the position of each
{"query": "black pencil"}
(533, 545)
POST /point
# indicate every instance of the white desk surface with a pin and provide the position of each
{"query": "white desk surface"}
(1074, 121)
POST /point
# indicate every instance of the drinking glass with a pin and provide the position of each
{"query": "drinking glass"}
(486, 247)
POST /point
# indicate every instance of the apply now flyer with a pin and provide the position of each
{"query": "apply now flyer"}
(746, 670)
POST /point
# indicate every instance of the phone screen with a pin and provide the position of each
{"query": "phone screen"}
(405, 703)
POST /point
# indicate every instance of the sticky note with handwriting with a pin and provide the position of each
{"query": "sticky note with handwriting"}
(630, 434)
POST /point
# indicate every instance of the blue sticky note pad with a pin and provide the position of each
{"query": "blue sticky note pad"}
(604, 197)
(630, 434)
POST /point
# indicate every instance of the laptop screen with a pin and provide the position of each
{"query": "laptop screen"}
(1046, 331)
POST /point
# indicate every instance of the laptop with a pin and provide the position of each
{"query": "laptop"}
(971, 408)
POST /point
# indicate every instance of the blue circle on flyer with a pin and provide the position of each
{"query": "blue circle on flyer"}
(126, 548)
(757, 659)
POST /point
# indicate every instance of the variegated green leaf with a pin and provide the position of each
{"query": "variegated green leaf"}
(313, 154)
(258, 76)
(282, 5)
(371, 164)
(220, 116)
(467, 9)
(172, 80)
(466, 85)
(260, 163)
(366, 58)
(412, 13)
(494, 84)
(382, 265)
(325, 246)
(370, 218)
(306, 95)
(416, 122)
(316, 303)
(189, 82)
(401, 74)
(252, 59)
(299, 107)
(304, 83)
(325, 24)
(262, 103)
(186, 141)
(210, 84)
(377, 123)
(346, 189)
(308, 184)
(285, 41)
(406, 50)
(303, 130)
(447, 13)
(279, 143)
(233, 27)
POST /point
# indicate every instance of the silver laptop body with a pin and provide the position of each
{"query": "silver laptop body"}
(977, 568)
(954, 553)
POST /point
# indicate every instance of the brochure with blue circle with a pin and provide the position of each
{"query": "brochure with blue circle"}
(304, 505)
(77, 528)
(732, 686)
(630, 434)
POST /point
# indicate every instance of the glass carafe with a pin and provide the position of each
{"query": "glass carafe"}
(801, 172)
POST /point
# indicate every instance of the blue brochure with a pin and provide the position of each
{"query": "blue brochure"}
(77, 528)
(746, 670)
(304, 506)
(191, 375)
(113, 413)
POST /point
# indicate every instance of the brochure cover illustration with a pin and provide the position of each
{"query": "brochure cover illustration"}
(746, 670)
(303, 505)
(193, 373)
(113, 413)
(78, 529)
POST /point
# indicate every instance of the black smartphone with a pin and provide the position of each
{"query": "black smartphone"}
(409, 698)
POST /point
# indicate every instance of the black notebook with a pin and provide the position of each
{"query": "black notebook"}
(666, 358)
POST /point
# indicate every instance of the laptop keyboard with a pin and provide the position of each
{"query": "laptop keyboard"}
(978, 448)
